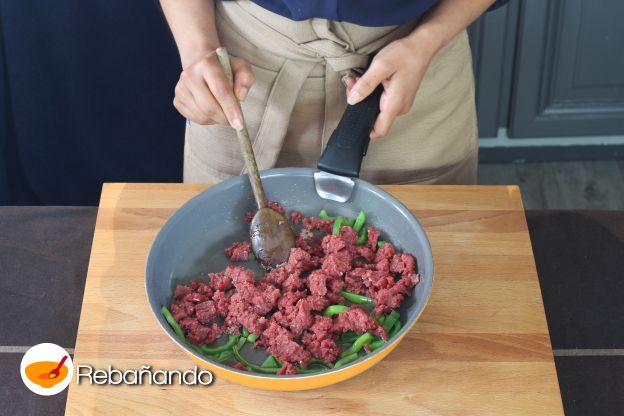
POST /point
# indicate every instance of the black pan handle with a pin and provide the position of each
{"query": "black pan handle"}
(348, 143)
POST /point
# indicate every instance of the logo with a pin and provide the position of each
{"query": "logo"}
(46, 369)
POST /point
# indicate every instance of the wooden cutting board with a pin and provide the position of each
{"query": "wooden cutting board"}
(481, 346)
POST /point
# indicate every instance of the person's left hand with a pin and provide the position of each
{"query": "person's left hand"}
(400, 67)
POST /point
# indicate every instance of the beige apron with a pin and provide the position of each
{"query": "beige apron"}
(298, 99)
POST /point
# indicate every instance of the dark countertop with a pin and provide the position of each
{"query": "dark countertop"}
(44, 253)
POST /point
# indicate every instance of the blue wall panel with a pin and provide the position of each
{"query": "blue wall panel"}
(89, 92)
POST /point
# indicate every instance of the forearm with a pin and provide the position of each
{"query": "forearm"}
(443, 22)
(192, 23)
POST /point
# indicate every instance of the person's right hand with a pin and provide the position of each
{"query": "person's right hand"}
(204, 95)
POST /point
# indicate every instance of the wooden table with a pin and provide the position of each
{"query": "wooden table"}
(481, 346)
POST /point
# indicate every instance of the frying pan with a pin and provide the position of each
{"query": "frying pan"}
(193, 240)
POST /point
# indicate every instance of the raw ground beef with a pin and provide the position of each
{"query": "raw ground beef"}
(239, 366)
(284, 307)
(239, 251)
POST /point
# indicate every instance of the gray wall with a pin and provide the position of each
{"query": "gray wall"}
(550, 80)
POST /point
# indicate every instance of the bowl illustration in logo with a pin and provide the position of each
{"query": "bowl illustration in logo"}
(47, 373)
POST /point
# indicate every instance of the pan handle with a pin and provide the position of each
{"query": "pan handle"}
(349, 142)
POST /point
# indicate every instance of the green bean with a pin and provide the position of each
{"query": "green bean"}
(219, 358)
(348, 336)
(395, 328)
(302, 370)
(355, 298)
(198, 350)
(215, 350)
(323, 215)
(245, 332)
(365, 338)
(314, 361)
(376, 344)
(349, 221)
(391, 318)
(252, 366)
(334, 310)
(174, 325)
(380, 244)
(251, 257)
(381, 319)
(346, 360)
(363, 236)
(252, 338)
(337, 224)
(241, 342)
(359, 221)
(270, 362)
(194, 347)
(318, 361)
(224, 356)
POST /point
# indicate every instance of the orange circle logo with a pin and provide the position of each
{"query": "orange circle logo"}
(46, 369)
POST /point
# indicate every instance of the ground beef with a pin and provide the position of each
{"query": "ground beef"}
(178, 312)
(336, 264)
(390, 298)
(202, 334)
(307, 242)
(386, 252)
(333, 244)
(319, 339)
(293, 282)
(299, 261)
(222, 302)
(317, 282)
(358, 320)
(249, 217)
(277, 276)
(288, 369)
(181, 291)
(219, 281)
(239, 251)
(318, 224)
(349, 236)
(284, 308)
(239, 366)
(296, 217)
(281, 344)
(206, 312)
(372, 238)
(242, 314)
(276, 206)
(402, 263)
(296, 312)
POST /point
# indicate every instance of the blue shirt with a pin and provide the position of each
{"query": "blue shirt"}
(361, 12)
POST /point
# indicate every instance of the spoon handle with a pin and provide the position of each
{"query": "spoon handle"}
(58, 367)
(243, 139)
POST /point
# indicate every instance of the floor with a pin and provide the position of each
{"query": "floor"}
(561, 185)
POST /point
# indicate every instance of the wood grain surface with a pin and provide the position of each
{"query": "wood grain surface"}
(481, 346)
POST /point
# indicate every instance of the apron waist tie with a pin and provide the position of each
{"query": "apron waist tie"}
(336, 53)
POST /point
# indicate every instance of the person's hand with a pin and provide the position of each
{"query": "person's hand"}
(204, 95)
(400, 67)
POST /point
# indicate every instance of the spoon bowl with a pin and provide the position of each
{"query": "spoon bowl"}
(271, 237)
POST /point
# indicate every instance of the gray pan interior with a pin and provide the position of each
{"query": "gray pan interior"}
(193, 239)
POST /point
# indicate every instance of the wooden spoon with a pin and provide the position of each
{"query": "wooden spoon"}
(270, 233)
